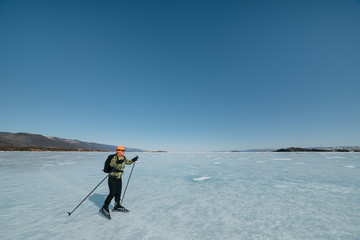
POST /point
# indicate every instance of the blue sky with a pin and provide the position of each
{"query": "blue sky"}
(183, 75)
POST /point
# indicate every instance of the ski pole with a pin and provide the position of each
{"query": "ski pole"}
(87, 196)
(92, 191)
(127, 183)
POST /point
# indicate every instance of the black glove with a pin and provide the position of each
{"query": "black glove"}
(119, 161)
(135, 159)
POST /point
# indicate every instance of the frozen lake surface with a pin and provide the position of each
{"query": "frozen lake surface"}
(183, 196)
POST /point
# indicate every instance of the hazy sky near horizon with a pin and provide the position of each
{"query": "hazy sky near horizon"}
(183, 75)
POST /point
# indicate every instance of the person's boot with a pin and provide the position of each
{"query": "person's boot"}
(105, 210)
(119, 208)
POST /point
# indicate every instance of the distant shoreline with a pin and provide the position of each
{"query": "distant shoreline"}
(54, 149)
(294, 149)
(47, 149)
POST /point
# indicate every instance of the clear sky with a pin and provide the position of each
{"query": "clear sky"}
(183, 75)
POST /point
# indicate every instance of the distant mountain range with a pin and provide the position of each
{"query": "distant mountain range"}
(33, 142)
(36, 142)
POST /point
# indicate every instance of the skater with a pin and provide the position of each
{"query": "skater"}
(115, 182)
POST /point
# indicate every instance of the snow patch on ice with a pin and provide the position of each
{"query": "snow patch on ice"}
(57, 164)
(281, 159)
(335, 157)
(260, 162)
(60, 164)
(201, 178)
(350, 166)
(217, 163)
(49, 165)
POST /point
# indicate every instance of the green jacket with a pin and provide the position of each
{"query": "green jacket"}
(120, 167)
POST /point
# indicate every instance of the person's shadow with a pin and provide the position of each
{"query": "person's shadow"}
(98, 200)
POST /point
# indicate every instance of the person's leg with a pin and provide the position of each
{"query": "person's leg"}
(118, 190)
(112, 192)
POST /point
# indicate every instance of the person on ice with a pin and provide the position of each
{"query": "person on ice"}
(115, 183)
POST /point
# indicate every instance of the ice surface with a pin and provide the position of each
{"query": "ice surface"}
(183, 196)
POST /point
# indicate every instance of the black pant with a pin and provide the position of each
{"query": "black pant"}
(115, 186)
